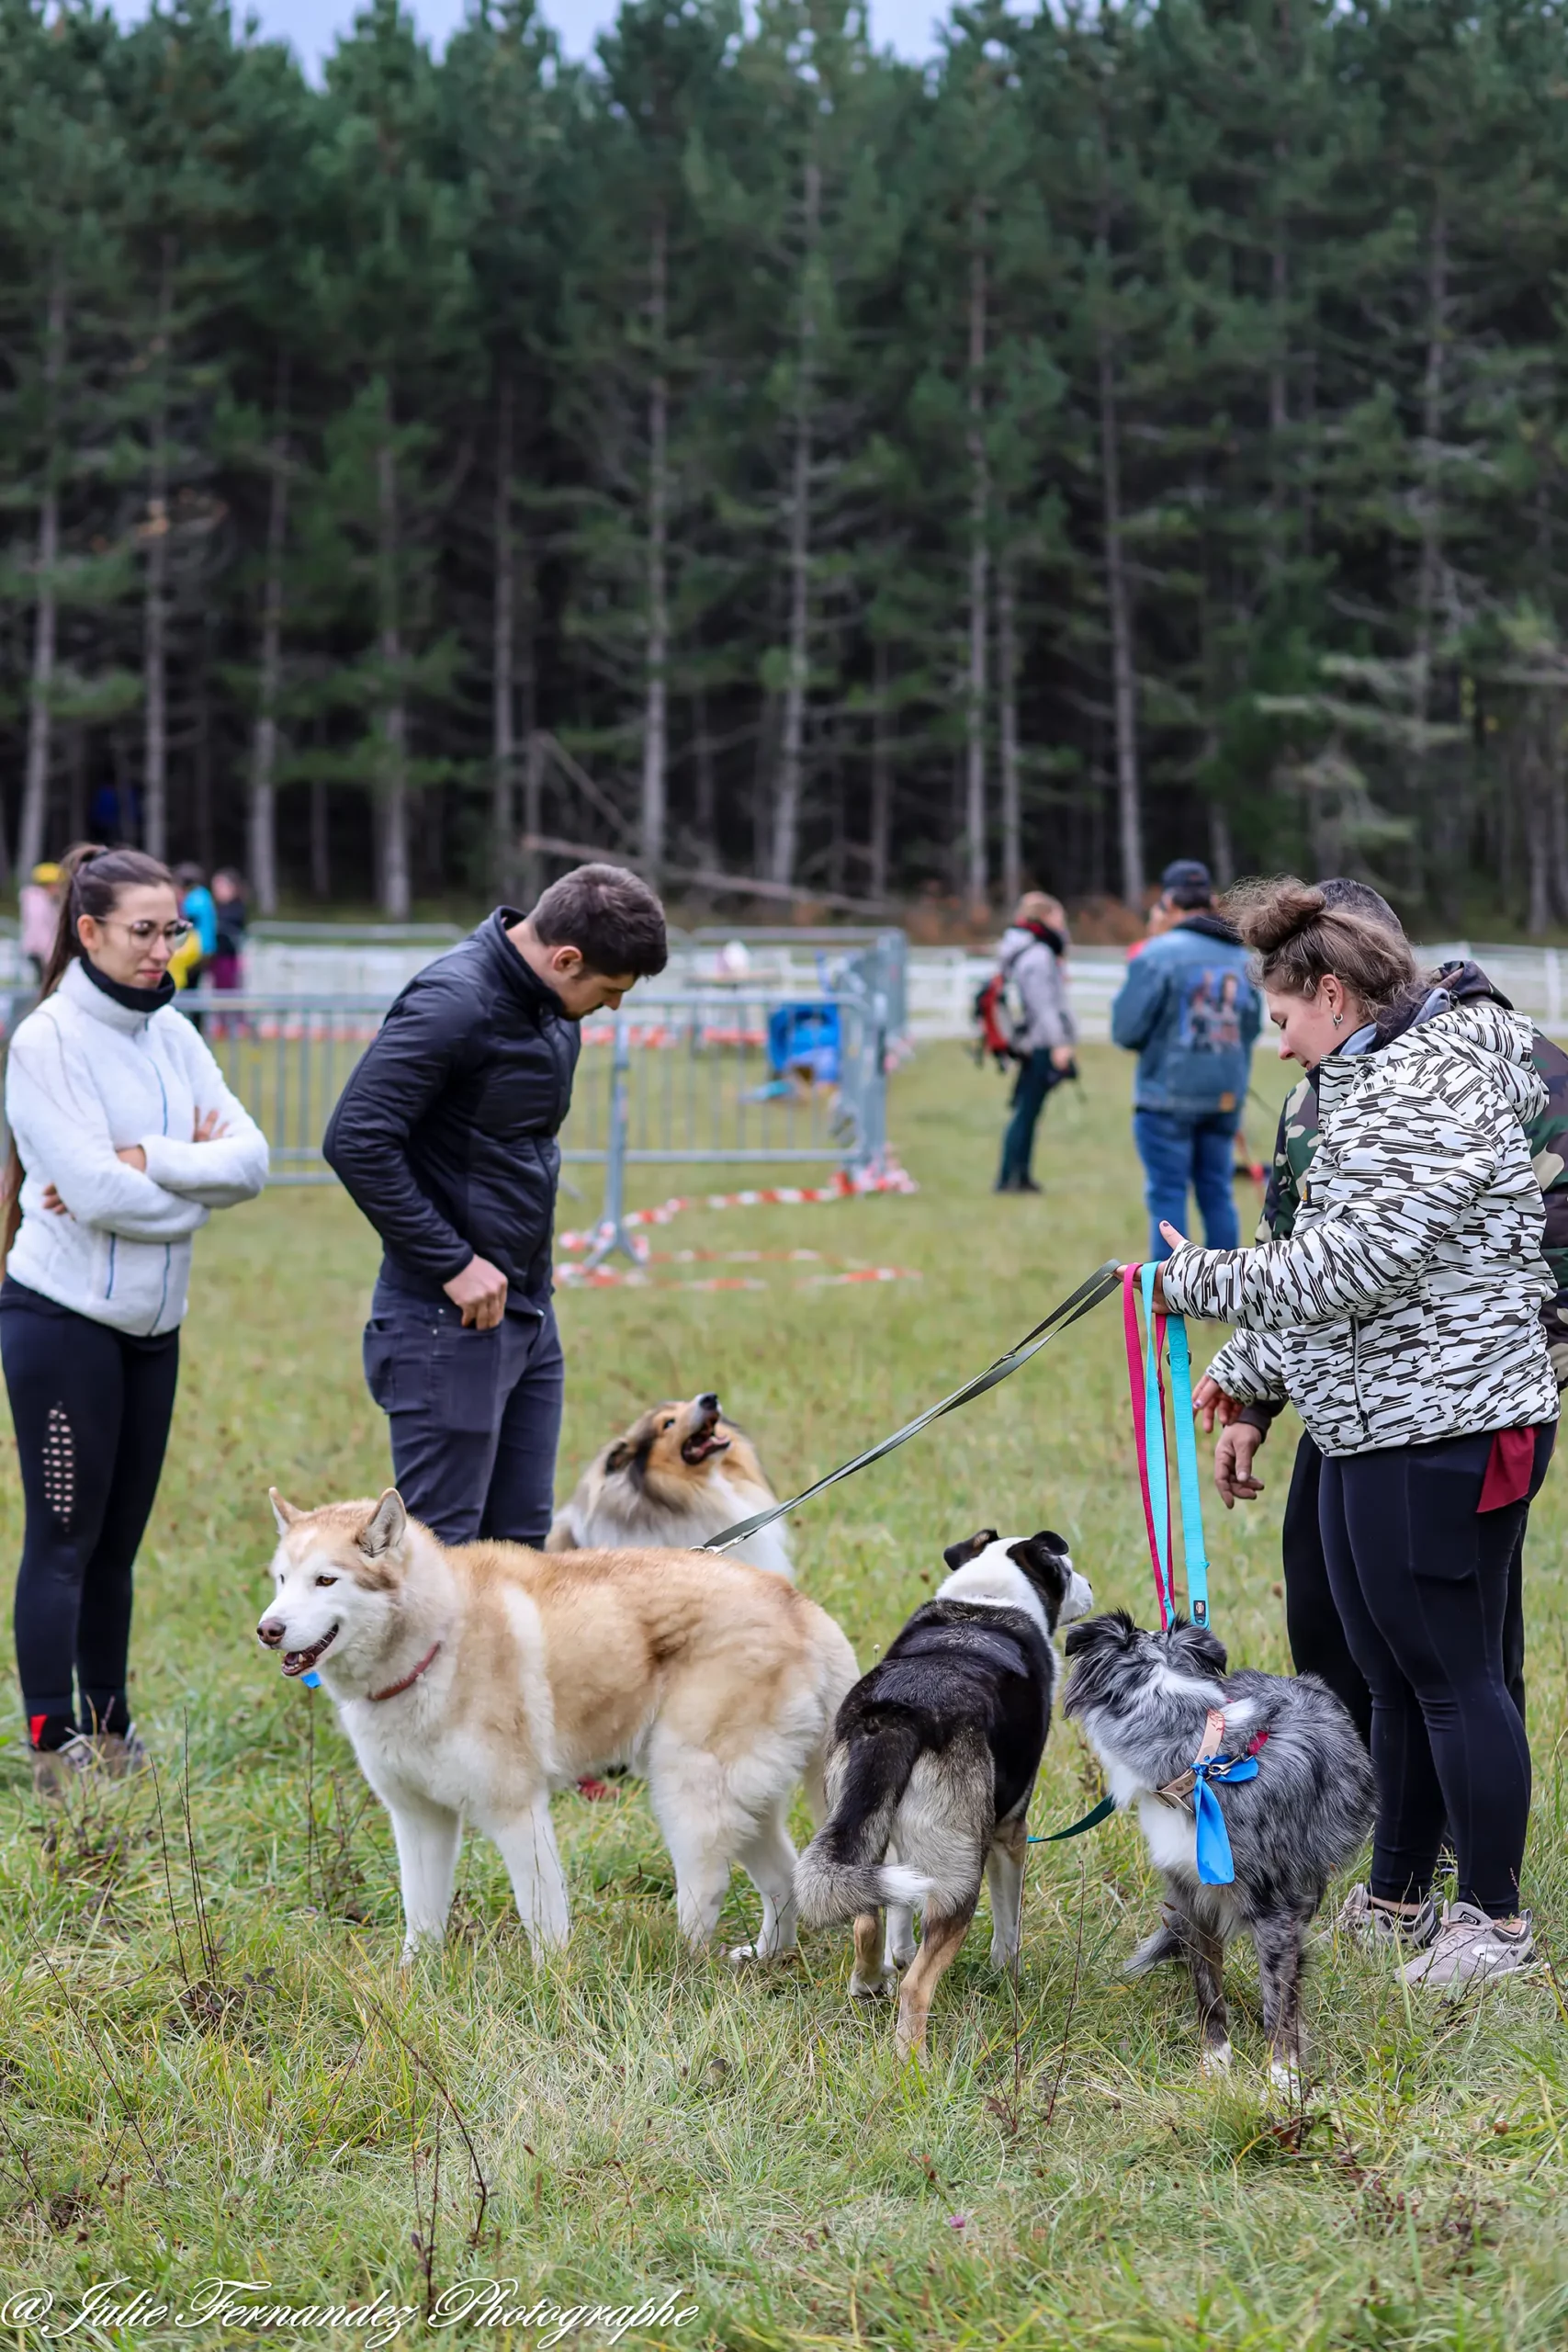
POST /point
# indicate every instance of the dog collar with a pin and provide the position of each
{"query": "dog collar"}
(1209, 1748)
(393, 1688)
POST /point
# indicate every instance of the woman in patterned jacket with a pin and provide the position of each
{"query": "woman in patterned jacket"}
(1402, 1318)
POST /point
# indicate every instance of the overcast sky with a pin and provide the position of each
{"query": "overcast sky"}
(312, 25)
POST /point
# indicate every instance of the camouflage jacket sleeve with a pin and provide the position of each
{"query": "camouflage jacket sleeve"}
(1239, 1368)
(1549, 1153)
(1295, 1141)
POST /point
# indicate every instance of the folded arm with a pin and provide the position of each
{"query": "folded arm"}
(63, 1134)
(229, 1167)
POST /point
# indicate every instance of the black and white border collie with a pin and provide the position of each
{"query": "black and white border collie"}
(932, 1765)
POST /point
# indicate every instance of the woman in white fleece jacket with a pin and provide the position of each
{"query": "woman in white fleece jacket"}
(124, 1140)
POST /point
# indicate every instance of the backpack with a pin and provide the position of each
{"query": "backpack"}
(993, 1018)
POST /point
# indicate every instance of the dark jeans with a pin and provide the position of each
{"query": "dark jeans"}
(1312, 1619)
(92, 1410)
(1420, 1579)
(1035, 1079)
(1178, 1152)
(475, 1415)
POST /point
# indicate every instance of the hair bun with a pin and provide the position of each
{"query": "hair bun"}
(1270, 914)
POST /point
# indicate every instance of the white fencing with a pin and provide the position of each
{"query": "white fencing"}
(944, 981)
(932, 990)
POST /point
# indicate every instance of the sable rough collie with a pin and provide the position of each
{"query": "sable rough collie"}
(475, 1680)
(680, 1475)
(933, 1758)
(1144, 1701)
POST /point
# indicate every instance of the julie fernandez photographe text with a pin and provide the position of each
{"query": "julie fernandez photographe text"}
(249, 2306)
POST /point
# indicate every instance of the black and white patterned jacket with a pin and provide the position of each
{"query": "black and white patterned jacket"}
(1405, 1304)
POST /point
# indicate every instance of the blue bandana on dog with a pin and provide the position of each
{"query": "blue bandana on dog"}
(1216, 1866)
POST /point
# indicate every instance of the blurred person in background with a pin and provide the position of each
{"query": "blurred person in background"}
(199, 911)
(38, 903)
(1032, 966)
(1192, 1014)
(231, 918)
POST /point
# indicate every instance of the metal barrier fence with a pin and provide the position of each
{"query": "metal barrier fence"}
(670, 1080)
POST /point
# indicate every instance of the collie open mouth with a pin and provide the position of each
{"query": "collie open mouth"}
(301, 1661)
(698, 1447)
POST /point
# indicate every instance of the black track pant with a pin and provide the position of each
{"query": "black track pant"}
(1318, 1644)
(1420, 1577)
(92, 1410)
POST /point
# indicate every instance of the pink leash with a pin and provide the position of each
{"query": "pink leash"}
(1136, 1375)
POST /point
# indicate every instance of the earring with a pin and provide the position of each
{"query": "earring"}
(1337, 1019)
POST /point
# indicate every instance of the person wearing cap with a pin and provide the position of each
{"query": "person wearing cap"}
(38, 903)
(1190, 1012)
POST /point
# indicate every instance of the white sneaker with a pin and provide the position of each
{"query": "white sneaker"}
(1471, 1947)
(1382, 1928)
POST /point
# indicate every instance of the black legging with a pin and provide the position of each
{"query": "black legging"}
(1420, 1579)
(1312, 1618)
(92, 1408)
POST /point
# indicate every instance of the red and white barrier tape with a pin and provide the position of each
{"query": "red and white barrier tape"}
(889, 1178)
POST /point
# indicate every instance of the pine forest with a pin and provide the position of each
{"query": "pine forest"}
(1138, 433)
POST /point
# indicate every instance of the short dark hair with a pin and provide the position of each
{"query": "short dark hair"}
(609, 915)
(1344, 895)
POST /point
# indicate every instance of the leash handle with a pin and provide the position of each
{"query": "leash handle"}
(1139, 1386)
(1146, 1386)
(1195, 1557)
(1148, 1389)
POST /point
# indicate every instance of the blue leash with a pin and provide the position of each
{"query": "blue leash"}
(1194, 1551)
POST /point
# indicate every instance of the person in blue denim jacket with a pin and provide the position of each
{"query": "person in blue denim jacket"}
(1189, 1012)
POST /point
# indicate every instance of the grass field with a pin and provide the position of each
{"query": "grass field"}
(212, 2065)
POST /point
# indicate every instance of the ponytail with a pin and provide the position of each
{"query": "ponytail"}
(91, 879)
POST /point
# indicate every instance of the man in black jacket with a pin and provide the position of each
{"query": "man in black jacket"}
(445, 1137)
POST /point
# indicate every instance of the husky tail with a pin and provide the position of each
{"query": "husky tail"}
(842, 1872)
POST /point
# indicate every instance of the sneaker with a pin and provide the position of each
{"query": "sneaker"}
(1374, 1924)
(1470, 1948)
(56, 1770)
(121, 1754)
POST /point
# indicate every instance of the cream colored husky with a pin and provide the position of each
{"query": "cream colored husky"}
(475, 1680)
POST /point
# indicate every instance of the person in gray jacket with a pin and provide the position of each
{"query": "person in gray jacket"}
(1031, 957)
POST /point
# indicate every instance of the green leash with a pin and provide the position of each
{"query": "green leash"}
(1102, 1812)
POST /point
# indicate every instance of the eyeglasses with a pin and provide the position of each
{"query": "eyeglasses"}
(175, 932)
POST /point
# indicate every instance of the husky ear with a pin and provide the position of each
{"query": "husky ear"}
(956, 1555)
(285, 1513)
(383, 1531)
